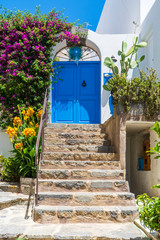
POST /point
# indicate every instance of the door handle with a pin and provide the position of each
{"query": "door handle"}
(84, 84)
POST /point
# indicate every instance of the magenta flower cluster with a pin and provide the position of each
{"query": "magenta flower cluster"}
(70, 38)
(26, 42)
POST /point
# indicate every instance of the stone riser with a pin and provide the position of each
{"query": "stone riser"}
(77, 135)
(83, 185)
(13, 203)
(76, 142)
(75, 130)
(80, 148)
(51, 214)
(80, 174)
(47, 164)
(79, 156)
(9, 187)
(87, 199)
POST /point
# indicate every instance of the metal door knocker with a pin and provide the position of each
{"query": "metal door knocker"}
(84, 84)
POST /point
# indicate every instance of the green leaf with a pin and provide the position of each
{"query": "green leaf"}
(133, 64)
(141, 44)
(124, 46)
(32, 153)
(105, 88)
(119, 53)
(25, 150)
(156, 186)
(123, 56)
(108, 62)
(135, 39)
(116, 71)
(141, 58)
(130, 51)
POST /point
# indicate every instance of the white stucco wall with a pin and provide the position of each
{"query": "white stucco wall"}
(145, 7)
(118, 16)
(150, 32)
(108, 45)
(5, 144)
(123, 16)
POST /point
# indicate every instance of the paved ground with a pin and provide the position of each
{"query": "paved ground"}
(16, 221)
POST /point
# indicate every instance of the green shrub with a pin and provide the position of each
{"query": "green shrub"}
(10, 169)
(144, 89)
(149, 211)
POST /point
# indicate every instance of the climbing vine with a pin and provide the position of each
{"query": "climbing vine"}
(26, 42)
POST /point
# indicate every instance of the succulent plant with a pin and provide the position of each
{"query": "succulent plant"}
(126, 61)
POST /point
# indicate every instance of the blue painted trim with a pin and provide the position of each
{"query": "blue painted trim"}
(106, 77)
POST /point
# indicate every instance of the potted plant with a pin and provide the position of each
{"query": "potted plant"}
(141, 93)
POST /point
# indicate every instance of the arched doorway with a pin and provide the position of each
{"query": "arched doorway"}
(76, 97)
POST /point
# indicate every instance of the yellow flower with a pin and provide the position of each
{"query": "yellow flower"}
(26, 118)
(31, 124)
(16, 129)
(28, 132)
(11, 132)
(37, 125)
(17, 121)
(23, 112)
(39, 113)
(29, 112)
(19, 146)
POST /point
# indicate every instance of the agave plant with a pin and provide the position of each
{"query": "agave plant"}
(126, 61)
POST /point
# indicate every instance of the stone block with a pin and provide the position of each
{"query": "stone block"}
(101, 184)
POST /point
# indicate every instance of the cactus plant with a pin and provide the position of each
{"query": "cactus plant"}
(126, 61)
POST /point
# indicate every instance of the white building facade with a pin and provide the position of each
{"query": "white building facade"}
(120, 21)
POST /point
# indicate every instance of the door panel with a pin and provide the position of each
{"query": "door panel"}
(87, 74)
(89, 95)
(65, 111)
(72, 102)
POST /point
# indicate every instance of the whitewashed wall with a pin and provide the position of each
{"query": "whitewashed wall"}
(150, 32)
(123, 16)
(5, 144)
(118, 17)
(108, 45)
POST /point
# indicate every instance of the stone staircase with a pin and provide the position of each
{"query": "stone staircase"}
(80, 178)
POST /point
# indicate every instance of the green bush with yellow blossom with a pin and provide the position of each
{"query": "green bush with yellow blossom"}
(23, 135)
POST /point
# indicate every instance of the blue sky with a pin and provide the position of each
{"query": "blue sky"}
(86, 10)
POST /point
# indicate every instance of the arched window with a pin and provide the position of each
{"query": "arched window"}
(77, 53)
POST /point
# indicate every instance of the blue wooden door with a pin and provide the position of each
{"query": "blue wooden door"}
(76, 99)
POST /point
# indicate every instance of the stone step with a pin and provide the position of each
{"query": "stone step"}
(76, 164)
(84, 214)
(83, 185)
(10, 187)
(78, 135)
(88, 141)
(8, 199)
(74, 128)
(80, 174)
(79, 148)
(79, 156)
(14, 225)
(87, 198)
